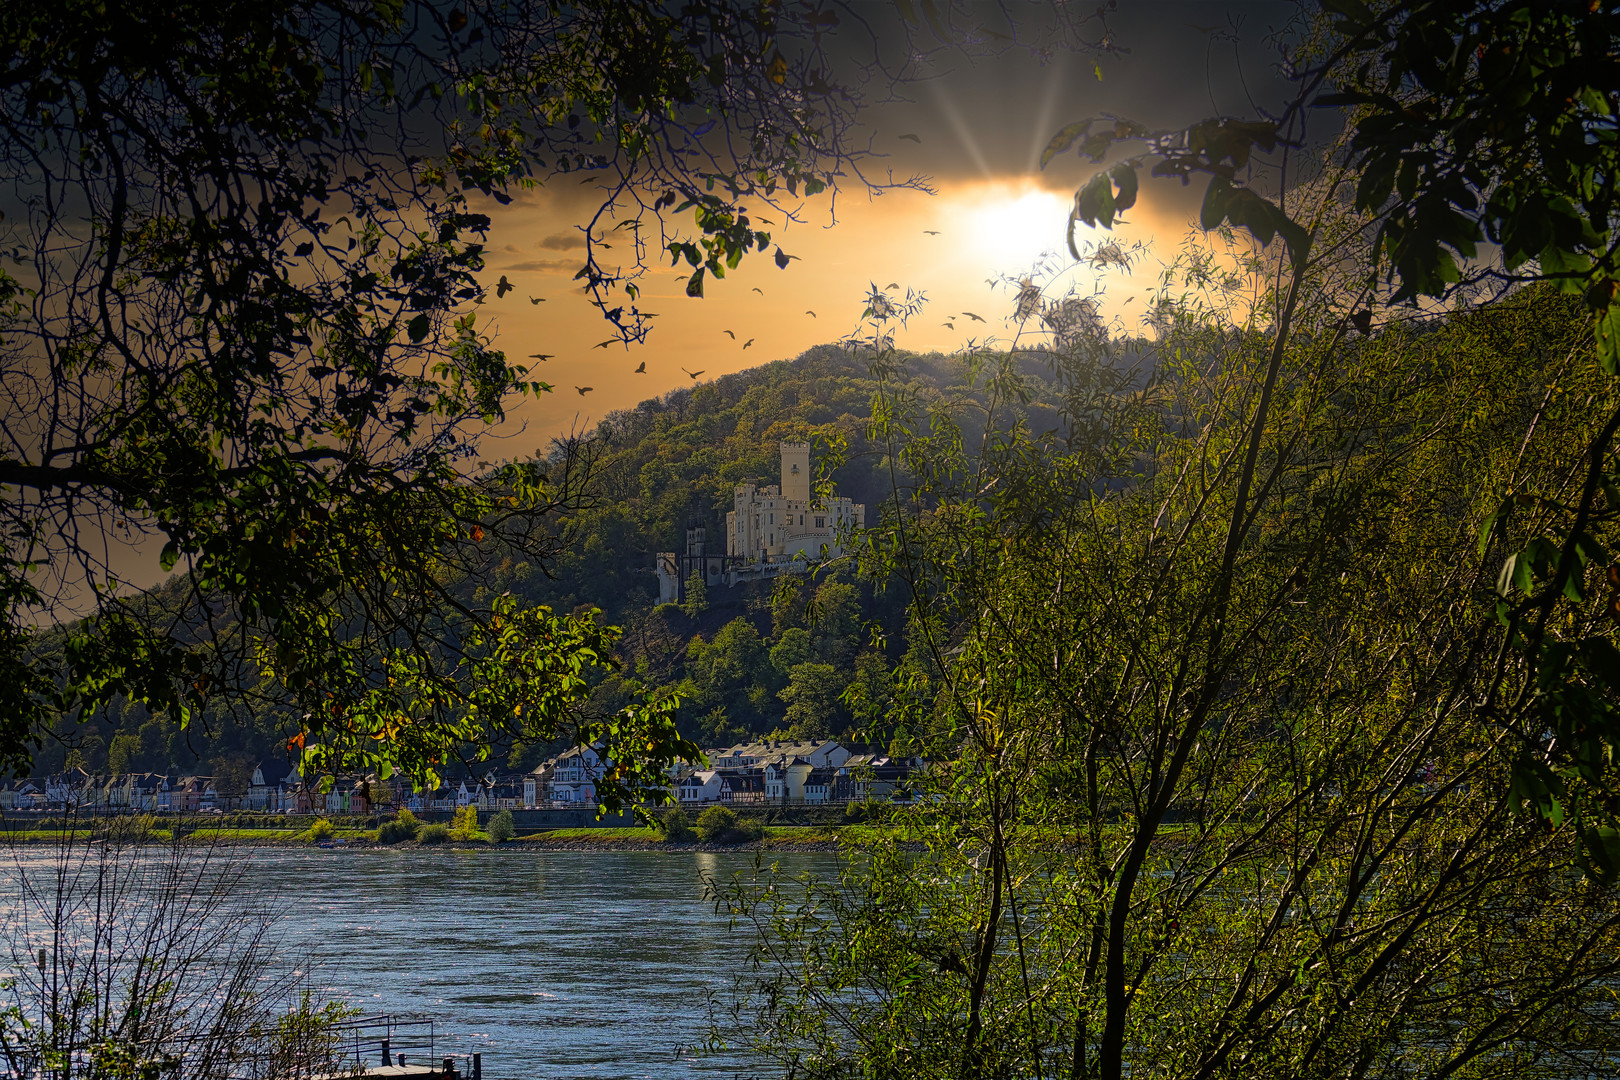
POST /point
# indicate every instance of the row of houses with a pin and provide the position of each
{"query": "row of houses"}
(776, 772)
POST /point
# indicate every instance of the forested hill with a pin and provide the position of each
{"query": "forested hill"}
(744, 665)
(682, 454)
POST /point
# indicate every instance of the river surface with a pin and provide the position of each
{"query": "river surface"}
(553, 965)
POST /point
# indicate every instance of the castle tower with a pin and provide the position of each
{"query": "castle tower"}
(695, 537)
(796, 472)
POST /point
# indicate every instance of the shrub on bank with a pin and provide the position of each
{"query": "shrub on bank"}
(501, 827)
(436, 833)
(321, 829)
(404, 827)
(465, 824)
(718, 825)
(675, 826)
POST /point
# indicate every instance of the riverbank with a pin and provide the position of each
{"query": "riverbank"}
(777, 838)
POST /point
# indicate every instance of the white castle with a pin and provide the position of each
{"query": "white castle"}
(773, 529)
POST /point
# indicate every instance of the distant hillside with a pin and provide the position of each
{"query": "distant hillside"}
(746, 664)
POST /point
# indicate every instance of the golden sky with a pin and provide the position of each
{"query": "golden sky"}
(975, 131)
(950, 246)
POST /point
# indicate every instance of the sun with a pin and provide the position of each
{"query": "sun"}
(1012, 225)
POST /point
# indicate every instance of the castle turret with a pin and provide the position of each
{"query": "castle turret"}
(796, 472)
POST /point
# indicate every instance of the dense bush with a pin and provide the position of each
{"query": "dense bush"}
(436, 833)
(501, 827)
(718, 825)
(321, 829)
(465, 824)
(675, 826)
(403, 827)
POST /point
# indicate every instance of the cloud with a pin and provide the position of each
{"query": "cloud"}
(567, 241)
(545, 266)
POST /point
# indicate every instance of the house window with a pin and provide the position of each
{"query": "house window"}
(821, 522)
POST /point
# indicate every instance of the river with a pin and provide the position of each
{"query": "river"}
(553, 965)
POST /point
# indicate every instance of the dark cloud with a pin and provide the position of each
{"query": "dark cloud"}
(565, 241)
(544, 266)
(1179, 61)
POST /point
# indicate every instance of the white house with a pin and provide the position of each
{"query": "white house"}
(784, 780)
(574, 776)
(699, 787)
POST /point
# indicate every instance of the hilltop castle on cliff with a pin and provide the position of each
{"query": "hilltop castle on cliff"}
(773, 529)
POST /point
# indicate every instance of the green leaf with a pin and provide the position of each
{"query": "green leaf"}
(1607, 328)
(1095, 201)
(694, 284)
(1063, 140)
(1213, 212)
(1124, 175)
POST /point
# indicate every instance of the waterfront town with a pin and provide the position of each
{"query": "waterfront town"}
(765, 773)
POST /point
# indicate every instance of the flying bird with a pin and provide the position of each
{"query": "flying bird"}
(642, 370)
(502, 287)
(605, 344)
(1205, 29)
(696, 373)
(892, 285)
(583, 390)
(913, 138)
(747, 343)
(759, 290)
(810, 313)
(541, 356)
(733, 336)
(930, 232)
(950, 325)
(537, 299)
(975, 318)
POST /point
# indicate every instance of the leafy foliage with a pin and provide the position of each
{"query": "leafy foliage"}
(404, 826)
(1221, 723)
(501, 827)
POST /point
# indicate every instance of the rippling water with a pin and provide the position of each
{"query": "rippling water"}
(552, 964)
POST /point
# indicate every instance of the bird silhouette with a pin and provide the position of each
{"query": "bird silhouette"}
(975, 318)
(583, 390)
(696, 373)
(950, 325)
(930, 232)
(810, 313)
(1205, 29)
(642, 370)
(913, 138)
(747, 343)
(541, 356)
(733, 336)
(605, 344)
(892, 285)
(537, 299)
(502, 287)
(759, 290)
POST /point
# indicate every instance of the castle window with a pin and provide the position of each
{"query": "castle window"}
(821, 523)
